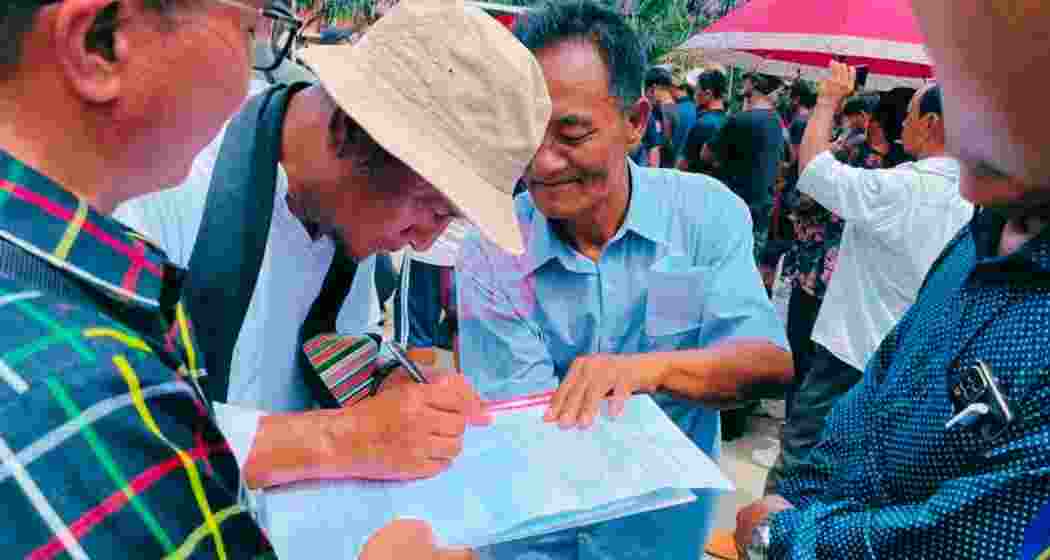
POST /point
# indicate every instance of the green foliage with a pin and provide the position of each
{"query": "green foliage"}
(661, 24)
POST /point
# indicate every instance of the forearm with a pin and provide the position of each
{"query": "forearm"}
(298, 446)
(726, 374)
(817, 138)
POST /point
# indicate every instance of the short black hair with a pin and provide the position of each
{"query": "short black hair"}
(714, 82)
(351, 141)
(764, 83)
(658, 77)
(16, 19)
(804, 93)
(586, 20)
(892, 110)
(931, 102)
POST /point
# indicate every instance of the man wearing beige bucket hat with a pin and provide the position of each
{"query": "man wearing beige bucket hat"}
(634, 280)
(433, 115)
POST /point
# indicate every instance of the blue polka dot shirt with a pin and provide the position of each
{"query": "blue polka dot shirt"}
(889, 480)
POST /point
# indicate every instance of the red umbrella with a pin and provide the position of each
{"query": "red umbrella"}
(787, 37)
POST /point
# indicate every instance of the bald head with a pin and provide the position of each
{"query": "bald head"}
(990, 57)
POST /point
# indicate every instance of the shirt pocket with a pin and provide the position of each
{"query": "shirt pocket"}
(674, 304)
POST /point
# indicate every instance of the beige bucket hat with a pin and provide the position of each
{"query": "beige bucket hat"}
(453, 94)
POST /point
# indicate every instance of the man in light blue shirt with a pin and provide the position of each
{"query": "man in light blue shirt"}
(633, 280)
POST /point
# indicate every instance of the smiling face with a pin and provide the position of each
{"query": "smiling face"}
(583, 155)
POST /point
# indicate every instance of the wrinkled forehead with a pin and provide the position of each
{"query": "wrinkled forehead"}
(992, 59)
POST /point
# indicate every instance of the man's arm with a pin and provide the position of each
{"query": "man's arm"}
(742, 355)
(873, 198)
(833, 91)
(728, 373)
(409, 431)
(981, 515)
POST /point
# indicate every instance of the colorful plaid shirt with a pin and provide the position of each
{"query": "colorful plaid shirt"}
(106, 450)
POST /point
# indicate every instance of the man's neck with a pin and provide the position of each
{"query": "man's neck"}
(65, 154)
(303, 121)
(590, 234)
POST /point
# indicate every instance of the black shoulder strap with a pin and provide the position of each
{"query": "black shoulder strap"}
(231, 241)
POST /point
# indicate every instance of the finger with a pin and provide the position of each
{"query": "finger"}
(431, 468)
(478, 415)
(573, 403)
(618, 400)
(443, 448)
(592, 402)
(446, 424)
(451, 394)
(564, 389)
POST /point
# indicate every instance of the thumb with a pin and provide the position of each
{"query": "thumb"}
(475, 409)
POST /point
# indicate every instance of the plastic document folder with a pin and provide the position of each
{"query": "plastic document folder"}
(516, 478)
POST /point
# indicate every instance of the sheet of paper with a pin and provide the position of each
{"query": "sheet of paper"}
(518, 477)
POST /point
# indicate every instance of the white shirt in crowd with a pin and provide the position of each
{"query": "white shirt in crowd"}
(897, 223)
(263, 372)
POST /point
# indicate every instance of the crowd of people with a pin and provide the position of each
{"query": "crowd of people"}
(623, 230)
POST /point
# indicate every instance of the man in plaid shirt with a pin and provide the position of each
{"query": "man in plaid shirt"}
(106, 447)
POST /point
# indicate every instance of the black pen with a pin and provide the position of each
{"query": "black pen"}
(406, 362)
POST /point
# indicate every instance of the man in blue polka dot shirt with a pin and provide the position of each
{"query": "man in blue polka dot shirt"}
(922, 460)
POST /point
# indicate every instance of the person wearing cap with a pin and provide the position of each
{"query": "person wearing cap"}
(384, 151)
(108, 444)
(633, 280)
(894, 476)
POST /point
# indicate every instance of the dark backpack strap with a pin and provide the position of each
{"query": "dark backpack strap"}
(231, 241)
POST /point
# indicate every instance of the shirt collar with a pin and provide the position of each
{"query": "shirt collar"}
(645, 217)
(51, 223)
(987, 232)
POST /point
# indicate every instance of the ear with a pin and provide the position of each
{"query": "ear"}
(638, 119)
(91, 47)
(935, 127)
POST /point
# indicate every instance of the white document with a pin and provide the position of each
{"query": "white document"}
(518, 477)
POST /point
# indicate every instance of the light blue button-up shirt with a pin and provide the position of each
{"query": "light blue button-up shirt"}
(679, 274)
